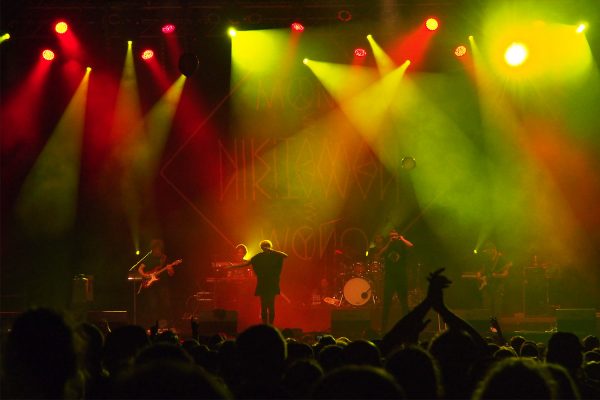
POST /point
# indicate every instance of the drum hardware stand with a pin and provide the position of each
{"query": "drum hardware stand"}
(135, 292)
(194, 303)
(334, 300)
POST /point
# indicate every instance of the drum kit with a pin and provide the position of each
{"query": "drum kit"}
(358, 284)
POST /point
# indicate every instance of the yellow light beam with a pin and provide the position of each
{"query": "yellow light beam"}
(367, 111)
(4, 37)
(143, 156)
(384, 62)
(342, 81)
(48, 200)
(157, 122)
(124, 133)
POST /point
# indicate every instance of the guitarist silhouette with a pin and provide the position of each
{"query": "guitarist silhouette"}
(495, 271)
(155, 299)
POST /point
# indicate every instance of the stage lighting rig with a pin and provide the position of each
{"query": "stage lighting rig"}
(188, 64)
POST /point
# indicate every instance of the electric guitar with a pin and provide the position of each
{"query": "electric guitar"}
(152, 277)
(483, 278)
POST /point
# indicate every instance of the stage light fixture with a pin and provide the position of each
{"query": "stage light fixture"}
(61, 27)
(515, 54)
(4, 37)
(581, 28)
(188, 64)
(460, 51)
(305, 61)
(48, 55)
(360, 52)
(232, 32)
(168, 28)
(432, 24)
(88, 69)
(408, 163)
(344, 16)
(297, 27)
(147, 54)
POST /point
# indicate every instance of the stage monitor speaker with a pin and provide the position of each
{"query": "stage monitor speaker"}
(350, 323)
(211, 322)
(581, 321)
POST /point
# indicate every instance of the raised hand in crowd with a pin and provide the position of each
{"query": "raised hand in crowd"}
(437, 283)
(497, 331)
(408, 329)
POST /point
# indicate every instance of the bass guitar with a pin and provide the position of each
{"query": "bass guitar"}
(150, 278)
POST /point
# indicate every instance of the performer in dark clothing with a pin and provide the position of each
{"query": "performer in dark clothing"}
(393, 255)
(495, 270)
(155, 298)
(267, 266)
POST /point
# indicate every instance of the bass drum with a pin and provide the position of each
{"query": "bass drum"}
(358, 291)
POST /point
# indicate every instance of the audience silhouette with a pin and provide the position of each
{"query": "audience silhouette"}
(44, 357)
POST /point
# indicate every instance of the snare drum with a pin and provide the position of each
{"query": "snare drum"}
(358, 291)
(359, 269)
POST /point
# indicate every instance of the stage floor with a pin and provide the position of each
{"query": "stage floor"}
(365, 321)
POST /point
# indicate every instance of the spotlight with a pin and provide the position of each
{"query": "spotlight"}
(515, 54)
(147, 54)
(432, 24)
(168, 28)
(297, 27)
(344, 16)
(88, 69)
(581, 28)
(4, 37)
(408, 163)
(360, 52)
(137, 252)
(232, 32)
(460, 51)
(188, 64)
(61, 27)
(305, 61)
(48, 55)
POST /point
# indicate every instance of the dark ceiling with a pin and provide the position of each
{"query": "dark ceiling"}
(30, 18)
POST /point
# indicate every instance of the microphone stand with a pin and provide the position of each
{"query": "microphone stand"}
(140, 261)
(134, 291)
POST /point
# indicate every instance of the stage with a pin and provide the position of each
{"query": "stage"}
(321, 126)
